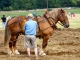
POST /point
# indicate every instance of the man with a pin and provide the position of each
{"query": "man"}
(30, 35)
(3, 21)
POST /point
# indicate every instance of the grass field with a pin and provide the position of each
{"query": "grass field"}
(74, 22)
(19, 13)
(24, 13)
(75, 10)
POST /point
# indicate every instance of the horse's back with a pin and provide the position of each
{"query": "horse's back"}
(15, 19)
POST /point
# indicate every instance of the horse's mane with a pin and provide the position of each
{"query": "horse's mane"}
(54, 13)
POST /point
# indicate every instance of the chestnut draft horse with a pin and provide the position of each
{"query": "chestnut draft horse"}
(15, 26)
(46, 27)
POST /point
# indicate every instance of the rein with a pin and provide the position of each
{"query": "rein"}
(60, 24)
(58, 21)
(52, 25)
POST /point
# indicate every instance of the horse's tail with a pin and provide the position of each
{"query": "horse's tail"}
(6, 35)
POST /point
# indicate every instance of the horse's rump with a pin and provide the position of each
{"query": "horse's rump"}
(14, 26)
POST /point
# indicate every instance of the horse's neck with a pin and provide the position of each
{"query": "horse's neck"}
(40, 19)
(54, 15)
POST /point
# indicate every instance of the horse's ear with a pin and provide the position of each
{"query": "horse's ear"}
(62, 10)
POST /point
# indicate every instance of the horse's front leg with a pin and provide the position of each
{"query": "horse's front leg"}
(44, 44)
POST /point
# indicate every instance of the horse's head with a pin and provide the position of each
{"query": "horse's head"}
(62, 17)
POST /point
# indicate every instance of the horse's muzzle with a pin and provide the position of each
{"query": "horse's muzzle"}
(66, 25)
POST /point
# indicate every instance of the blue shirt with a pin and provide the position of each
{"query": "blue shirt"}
(30, 27)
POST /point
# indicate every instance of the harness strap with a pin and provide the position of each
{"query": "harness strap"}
(12, 40)
(52, 25)
(39, 28)
(41, 31)
(58, 22)
(38, 24)
(20, 24)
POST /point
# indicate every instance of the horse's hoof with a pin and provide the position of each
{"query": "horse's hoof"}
(17, 53)
(10, 53)
(40, 53)
(43, 54)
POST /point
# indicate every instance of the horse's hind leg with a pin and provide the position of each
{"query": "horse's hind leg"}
(12, 45)
(15, 48)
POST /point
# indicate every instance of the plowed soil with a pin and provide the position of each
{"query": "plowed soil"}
(64, 44)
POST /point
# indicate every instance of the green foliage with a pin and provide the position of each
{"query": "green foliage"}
(28, 6)
(35, 4)
(5, 9)
(10, 8)
(78, 3)
(0, 9)
(41, 3)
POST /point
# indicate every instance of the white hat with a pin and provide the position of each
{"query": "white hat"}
(30, 15)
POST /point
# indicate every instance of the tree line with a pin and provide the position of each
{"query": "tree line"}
(8, 5)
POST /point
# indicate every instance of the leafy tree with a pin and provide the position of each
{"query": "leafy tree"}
(28, 6)
(78, 3)
(35, 4)
(41, 3)
(10, 8)
(5, 9)
(68, 3)
(54, 3)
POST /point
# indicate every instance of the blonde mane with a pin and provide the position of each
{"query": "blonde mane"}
(53, 13)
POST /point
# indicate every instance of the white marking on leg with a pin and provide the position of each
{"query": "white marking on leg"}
(16, 52)
(10, 52)
(41, 52)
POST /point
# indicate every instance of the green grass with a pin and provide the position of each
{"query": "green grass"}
(75, 10)
(16, 13)
(24, 13)
(74, 23)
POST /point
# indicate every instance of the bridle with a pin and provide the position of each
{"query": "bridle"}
(64, 17)
(58, 21)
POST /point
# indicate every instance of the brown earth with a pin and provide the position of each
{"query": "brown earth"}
(63, 45)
